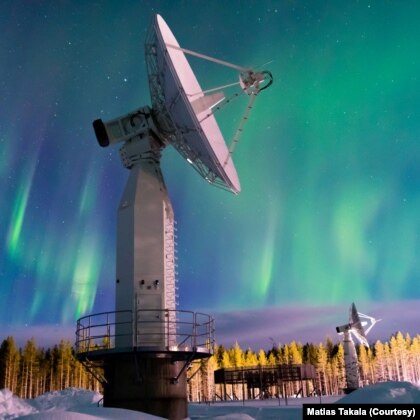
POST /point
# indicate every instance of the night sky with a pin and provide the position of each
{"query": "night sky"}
(329, 161)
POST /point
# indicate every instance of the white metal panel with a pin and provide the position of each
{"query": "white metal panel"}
(181, 88)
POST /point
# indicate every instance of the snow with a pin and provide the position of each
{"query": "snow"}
(255, 409)
(12, 406)
(69, 404)
(66, 399)
(387, 392)
(79, 404)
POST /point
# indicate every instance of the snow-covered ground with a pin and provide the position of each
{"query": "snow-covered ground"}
(79, 404)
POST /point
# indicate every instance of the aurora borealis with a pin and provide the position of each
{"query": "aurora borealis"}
(329, 161)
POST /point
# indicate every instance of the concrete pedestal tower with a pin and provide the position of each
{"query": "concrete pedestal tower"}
(146, 344)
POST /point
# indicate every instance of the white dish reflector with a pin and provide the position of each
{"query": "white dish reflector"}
(183, 112)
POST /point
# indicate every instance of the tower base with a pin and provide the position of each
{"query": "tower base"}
(146, 383)
(151, 379)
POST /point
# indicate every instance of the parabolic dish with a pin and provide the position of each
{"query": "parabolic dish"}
(192, 130)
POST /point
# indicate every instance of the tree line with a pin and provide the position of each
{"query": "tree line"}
(31, 370)
(395, 360)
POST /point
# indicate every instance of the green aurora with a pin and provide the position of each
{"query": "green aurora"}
(329, 161)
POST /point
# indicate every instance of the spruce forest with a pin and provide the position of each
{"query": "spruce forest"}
(31, 371)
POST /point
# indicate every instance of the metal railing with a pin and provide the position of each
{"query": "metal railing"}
(167, 330)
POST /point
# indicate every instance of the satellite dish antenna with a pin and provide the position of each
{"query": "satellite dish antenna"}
(146, 318)
(359, 325)
(182, 114)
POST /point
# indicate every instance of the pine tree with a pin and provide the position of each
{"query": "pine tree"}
(414, 354)
(363, 364)
(29, 368)
(399, 353)
(340, 368)
(404, 344)
(322, 369)
(65, 359)
(193, 379)
(225, 362)
(43, 370)
(9, 364)
(380, 362)
(309, 354)
(236, 356)
(295, 353)
(262, 358)
(53, 356)
(208, 367)
(330, 347)
(390, 367)
(332, 376)
(284, 355)
(250, 358)
(371, 359)
(219, 351)
(272, 360)
(276, 352)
